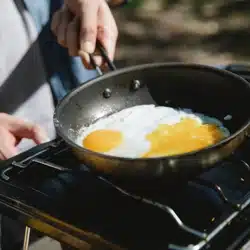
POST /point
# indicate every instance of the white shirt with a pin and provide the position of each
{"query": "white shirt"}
(24, 91)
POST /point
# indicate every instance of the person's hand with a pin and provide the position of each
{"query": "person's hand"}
(13, 130)
(79, 23)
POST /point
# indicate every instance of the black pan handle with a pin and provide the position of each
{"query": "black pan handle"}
(104, 54)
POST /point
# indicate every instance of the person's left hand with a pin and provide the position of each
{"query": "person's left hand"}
(79, 23)
(13, 130)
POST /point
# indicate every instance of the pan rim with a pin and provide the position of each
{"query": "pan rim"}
(220, 71)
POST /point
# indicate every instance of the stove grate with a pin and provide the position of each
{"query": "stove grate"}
(204, 238)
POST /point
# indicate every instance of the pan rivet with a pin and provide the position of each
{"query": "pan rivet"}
(135, 85)
(107, 93)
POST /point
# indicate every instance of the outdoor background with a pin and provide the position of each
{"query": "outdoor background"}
(196, 31)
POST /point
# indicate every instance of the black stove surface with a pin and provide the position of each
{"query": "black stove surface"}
(49, 190)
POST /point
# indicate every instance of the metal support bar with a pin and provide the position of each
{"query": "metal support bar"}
(26, 239)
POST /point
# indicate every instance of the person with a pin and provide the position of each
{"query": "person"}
(40, 62)
(76, 25)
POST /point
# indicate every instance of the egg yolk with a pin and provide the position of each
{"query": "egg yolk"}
(186, 136)
(102, 141)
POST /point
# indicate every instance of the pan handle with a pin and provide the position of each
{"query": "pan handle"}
(104, 54)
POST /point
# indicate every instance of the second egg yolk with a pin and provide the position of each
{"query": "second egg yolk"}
(186, 136)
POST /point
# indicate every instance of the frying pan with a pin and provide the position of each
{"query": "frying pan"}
(204, 89)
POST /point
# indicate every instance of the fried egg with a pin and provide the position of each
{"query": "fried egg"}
(147, 131)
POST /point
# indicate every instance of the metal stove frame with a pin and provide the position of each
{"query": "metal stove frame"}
(80, 239)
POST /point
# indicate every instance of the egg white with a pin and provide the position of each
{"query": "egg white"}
(136, 122)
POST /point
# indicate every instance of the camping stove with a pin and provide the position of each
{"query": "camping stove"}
(50, 191)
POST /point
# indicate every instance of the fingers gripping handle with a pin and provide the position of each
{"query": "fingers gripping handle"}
(104, 54)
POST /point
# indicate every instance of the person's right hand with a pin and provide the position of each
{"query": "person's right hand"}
(79, 23)
(13, 130)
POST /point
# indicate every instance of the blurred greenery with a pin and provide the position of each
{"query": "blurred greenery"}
(222, 8)
(204, 31)
(135, 3)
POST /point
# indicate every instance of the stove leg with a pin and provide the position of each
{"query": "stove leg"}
(26, 239)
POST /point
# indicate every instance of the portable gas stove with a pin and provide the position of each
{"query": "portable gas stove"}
(47, 189)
